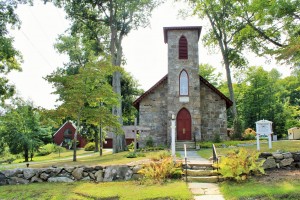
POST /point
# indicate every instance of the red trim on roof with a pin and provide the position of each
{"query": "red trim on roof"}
(136, 103)
(166, 29)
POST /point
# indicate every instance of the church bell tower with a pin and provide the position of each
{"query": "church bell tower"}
(184, 82)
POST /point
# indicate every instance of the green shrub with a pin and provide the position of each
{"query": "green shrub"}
(161, 155)
(89, 146)
(135, 155)
(160, 171)
(149, 142)
(239, 164)
(46, 149)
(217, 138)
(131, 155)
(130, 147)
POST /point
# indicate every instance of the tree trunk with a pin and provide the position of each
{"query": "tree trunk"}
(116, 54)
(96, 140)
(26, 154)
(230, 88)
(221, 37)
(75, 138)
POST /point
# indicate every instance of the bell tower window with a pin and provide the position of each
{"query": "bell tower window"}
(183, 83)
(183, 48)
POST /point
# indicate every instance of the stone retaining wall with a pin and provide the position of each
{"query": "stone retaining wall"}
(69, 174)
(280, 160)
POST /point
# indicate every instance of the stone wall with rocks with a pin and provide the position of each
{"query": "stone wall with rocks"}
(69, 174)
(280, 160)
(213, 115)
(153, 114)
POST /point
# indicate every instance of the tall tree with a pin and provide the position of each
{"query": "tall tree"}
(260, 99)
(81, 94)
(209, 73)
(10, 58)
(225, 24)
(120, 17)
(272, 27)
(21, 129)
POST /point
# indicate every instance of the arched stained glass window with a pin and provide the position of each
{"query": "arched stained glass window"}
(183, 48)
(183, 83)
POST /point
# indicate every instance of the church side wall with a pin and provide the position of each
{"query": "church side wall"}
(153, 114)
(213, 115)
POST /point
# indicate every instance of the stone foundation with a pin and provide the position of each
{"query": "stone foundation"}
(70, 174)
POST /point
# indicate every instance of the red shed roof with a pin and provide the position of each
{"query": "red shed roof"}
(136, 103)
(166, 29)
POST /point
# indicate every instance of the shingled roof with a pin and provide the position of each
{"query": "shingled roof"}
(136, 103)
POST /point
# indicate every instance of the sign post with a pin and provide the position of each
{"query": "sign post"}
(173, 127)
(264, 127)
(135, 132)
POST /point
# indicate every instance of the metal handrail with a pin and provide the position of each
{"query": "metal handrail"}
(215, 158)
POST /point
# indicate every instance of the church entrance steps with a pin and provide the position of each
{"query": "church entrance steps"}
(201, 172)
(204, 179)
(190, 145)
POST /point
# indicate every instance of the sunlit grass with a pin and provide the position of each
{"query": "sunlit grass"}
(62, 155)
(90, 160)
(282, 145)
(268, 190)
(87, 190)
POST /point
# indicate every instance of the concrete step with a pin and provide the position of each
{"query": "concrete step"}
(198, 166)
(189, 145)
(204, 179)
(201, 172)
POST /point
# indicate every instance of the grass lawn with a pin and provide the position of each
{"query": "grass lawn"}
(91, 160)
(261, 190)
(283, 145)
(87, 190)
(62, 155)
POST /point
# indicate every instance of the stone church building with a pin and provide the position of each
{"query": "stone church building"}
(197, 106)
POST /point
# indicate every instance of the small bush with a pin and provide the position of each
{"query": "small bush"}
(89, 146)
(135, 155)
(131, 155)
(217, 138)
(160, 171)
(239, 164)
(249, 134)
(130, 147)
(160, 156)
(46, 149)
(149, 142)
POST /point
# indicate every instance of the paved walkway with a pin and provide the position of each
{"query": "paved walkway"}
(202, 191)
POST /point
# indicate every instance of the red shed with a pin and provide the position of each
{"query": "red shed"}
(65, 134)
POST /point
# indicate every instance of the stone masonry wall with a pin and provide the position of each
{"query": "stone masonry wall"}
(280, 160)
(153, 114)
(175, 66)
(70, 174)
(213, 115)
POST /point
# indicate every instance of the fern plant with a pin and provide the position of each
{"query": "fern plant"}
(160, 171)
(239, 164)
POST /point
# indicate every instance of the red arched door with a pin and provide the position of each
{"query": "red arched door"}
(184, 125)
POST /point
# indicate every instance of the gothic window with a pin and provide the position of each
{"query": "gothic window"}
(183, 83)
(183, 48)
